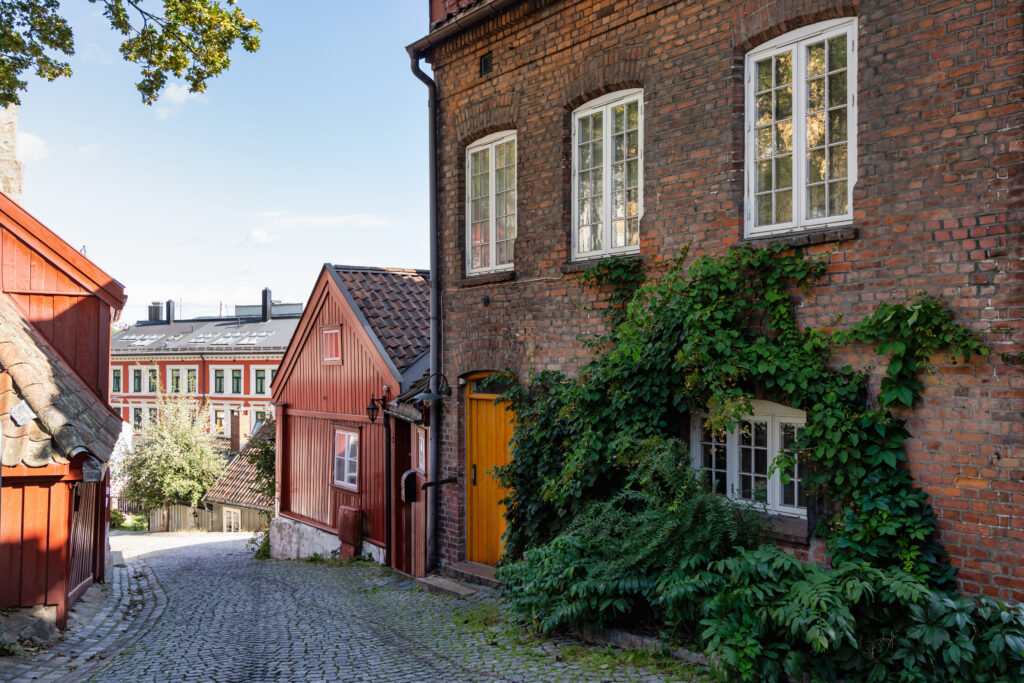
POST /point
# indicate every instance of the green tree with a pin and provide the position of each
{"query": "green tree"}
(263, 456)
(174, 460)
(188, 39)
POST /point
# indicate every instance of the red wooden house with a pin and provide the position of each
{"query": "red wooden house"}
(57, 430)
(363, 337)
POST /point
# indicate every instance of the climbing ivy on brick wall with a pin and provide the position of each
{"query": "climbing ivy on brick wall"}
(712, 337)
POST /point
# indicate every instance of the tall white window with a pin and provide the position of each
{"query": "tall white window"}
(232, 519)
(607, 169)
(491, 203)
(801, 124)
(346, 458)
(739, 463)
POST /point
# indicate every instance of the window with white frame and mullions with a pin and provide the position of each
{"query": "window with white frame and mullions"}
(741, 463)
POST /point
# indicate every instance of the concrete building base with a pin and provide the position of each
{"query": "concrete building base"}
(293, 540)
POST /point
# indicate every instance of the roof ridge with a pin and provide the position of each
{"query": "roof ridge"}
(380, 269)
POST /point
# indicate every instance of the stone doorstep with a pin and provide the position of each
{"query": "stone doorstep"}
(472, 572)
(443, 586)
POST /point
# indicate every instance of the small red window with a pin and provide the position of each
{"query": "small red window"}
(332, 344)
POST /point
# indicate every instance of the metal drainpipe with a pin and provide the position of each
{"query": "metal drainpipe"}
(433, 502)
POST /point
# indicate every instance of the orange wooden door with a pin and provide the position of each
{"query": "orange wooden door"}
(488, 432)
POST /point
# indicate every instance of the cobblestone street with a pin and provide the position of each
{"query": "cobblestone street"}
(198, 607)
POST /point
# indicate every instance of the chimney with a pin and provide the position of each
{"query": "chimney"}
(268, 305)
(239, 429)
(170, 311)
(154, 311)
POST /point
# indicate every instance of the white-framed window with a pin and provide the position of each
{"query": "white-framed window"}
(226, 380)
(232, 520)
(346, 458)
(259, 379)
(801, 129)
(739, 462)
(115, 380)
(137, 419)
(491, 203)
(218, 422)
(182, 379)
(607, 175)
(331, 343)
(153, 382)
(137, 380)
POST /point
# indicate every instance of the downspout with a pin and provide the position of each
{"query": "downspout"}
(433, 542)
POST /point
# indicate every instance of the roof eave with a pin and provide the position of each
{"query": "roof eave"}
(456, 25)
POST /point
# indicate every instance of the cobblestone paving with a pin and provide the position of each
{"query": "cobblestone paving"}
(198, 607)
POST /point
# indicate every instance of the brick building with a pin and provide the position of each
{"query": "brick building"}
(226, 362)
(890, 138)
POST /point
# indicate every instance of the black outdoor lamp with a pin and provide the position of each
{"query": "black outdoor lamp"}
(442, 390)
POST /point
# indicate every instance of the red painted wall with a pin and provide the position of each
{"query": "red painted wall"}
(318, 396)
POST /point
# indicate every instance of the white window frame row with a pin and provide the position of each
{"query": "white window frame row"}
(774, 415)
(345, 463)
(795, 42)
(128, 379)
(232, 520)
(268, 370)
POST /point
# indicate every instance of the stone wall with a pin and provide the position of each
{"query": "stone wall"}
(10, 167)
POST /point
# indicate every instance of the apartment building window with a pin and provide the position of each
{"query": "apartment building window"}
(115, 382)
(346, 458)
(153, 416)
(801, 123)
(137, 419)
(491, 203)
(739, 462)
(191, 380)
(154, 383)
(218, 421)
(261, 382)
(236, 381)
(175, 381)
(607, 170)
(137, 381)
(218, 381)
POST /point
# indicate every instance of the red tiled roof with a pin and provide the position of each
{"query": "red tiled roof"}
(235, 486)
(396, 304)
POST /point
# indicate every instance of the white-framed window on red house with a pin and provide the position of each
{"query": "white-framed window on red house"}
(346, 458)
(331, 344)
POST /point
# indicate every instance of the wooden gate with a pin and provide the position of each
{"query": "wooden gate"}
(488, 432)
(83, 537)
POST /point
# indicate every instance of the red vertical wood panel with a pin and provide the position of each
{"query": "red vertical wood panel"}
(87, 361)
(20, 272)
(11, 514)
(35, 532)
(103, 359)
(41, 314)
(65, 328)
(60, 523)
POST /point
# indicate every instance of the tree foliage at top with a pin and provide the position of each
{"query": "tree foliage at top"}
(187, 39)
(174, 460)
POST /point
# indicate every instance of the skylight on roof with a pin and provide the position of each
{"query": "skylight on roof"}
(227, 339)
(254, 338)
(202, 338)
(131, 337)
(146, 339)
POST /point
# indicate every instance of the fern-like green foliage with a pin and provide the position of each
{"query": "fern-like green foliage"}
(605, 519)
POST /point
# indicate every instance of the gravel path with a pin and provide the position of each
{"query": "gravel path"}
(198, 607)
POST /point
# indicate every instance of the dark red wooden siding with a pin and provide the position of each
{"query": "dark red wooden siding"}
(338, 394)
(73, 320)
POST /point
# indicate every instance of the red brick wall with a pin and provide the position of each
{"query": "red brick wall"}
(937, 208)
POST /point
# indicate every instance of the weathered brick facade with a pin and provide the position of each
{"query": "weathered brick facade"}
(937, 208)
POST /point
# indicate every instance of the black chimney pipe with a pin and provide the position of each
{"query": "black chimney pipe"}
(170, 311)
(154, 312)
(268, 305)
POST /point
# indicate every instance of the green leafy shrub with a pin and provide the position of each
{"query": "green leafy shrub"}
(604, 521)
(605, 565)
(116, 518)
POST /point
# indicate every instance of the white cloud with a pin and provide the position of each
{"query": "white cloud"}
(264, 237)
(276, 223)
(174, 97)
(31, 148)
(88, 151)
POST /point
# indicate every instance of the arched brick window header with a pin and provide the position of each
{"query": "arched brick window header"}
(486, 116)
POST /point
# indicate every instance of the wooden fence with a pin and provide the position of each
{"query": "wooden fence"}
(129, 507)
(182, 518)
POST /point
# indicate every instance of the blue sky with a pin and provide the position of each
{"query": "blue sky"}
(312, 150)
